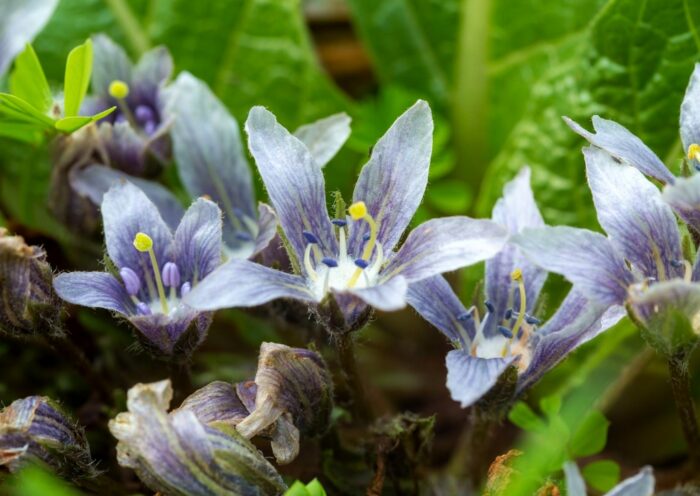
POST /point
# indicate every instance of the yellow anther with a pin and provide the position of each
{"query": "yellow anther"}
(143, 242)
(694, 152)
(517, 275)
(118, 89)
(357, 210)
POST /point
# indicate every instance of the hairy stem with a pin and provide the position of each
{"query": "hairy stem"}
(471, 456)
(345, 350)
(680, 385)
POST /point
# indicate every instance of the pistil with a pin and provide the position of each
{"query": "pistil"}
(358, 211)
(517, 276)
(119, 90)
(144, 243)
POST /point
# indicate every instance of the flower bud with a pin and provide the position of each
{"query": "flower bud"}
(294, 396)
(28, 302)
(35, 429)
(178, 454)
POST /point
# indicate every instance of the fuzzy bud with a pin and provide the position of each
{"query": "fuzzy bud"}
(179, 454)
(28, 301)
(35, 429)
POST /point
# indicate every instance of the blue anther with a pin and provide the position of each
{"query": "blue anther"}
(361, 263)
(340, 222)
(243, 236)
(508, 314)
(144, 113)
(532, 320)
(310, 237)
(171, 275)
(366, 236)
(520, 333)
(132, 283)
(143, 309)
(489, 306)
(185, 288)
(330, 262)
(676, 264)
(507, 333)
(464, 316)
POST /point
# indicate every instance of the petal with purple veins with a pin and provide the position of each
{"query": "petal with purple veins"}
(94, 289)
(623, 145)
(241, 283)
(469, 378)
(690, 112)
(392, 183)
(630, 209)
(436, 302)
(641, 484)
(267, 228)
(325, 136)
(387, 296)
(110, 63)
(443, 245)
(198, 241)
(294, 182)
(684, 198)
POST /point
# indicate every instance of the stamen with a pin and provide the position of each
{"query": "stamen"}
(363, 264)
(144, 243)
(131, 280)
(532, 320)
(143, 309)
(330, 262)
(464, 316)
(339, 222)
(171, 275)
(507, 333)
(688, 273)
(489, 306)
(310, 237)
(517, 275)
(307, 262)
(694, 152)
(366, 236)
(185, 288)
(358, 211)
(508, 314)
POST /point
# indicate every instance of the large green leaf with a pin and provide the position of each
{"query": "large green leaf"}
(251, 52)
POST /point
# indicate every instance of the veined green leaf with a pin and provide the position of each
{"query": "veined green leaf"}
(28, 82)
(77, 78)
(20, 109)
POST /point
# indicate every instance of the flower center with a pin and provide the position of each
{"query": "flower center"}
(326, 273)
(169, 277)
(510, 340)
(143, 118)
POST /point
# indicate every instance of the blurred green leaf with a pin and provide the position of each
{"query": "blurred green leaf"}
(523, 416)
(450, 196)
(602, 475)
(297, 489)
(315, 488)
(590, 436)
(72, 124)
(77, 78)
(33, 481)
(28, 82)
(550, 405)
(253, 52)
(17, 108)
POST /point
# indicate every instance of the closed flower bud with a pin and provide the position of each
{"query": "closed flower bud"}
(29, 303)
(35, 429)
(179, 454)
(294, 396)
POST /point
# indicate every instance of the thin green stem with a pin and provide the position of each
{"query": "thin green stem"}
(135, 34)
(345, 350)
(680, 385)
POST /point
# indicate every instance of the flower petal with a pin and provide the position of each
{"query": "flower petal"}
(198, 241)
(19, 24)
(216, 402)
(294, 182)
(577, 321)
(125, 148)
(684, 198)
(630, 209)
(575, 485)
(95, 180)
(152, 71)
(622, 144)
(651, 305)
(93, 289)
(436, 302)
(469, 378)
(690, 112)
(325, 137)
(126, 210)
(584, 257)
(516, 210)
(443, 245)
(209, 153)
(173, 336)
(392, 183)
(267, 228)
(387, 296)
(110, 63)
(241, 283)
(641, 484)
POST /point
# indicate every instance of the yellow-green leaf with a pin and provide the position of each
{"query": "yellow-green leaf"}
(20, 109)
(28, 81)
(77, 78)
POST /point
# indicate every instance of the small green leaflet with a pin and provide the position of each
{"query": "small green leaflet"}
(603, 475)
(77, 78)
(313, 488)
(28, 81)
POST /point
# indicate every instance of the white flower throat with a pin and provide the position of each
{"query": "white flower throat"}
(345, 272)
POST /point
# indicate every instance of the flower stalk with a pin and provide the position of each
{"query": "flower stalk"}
(345, 352)
(680, 385)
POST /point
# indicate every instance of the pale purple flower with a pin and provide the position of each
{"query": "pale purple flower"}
(507, 333)
(349, 260)
(641, 484)
(152, 280)
(640, 263)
